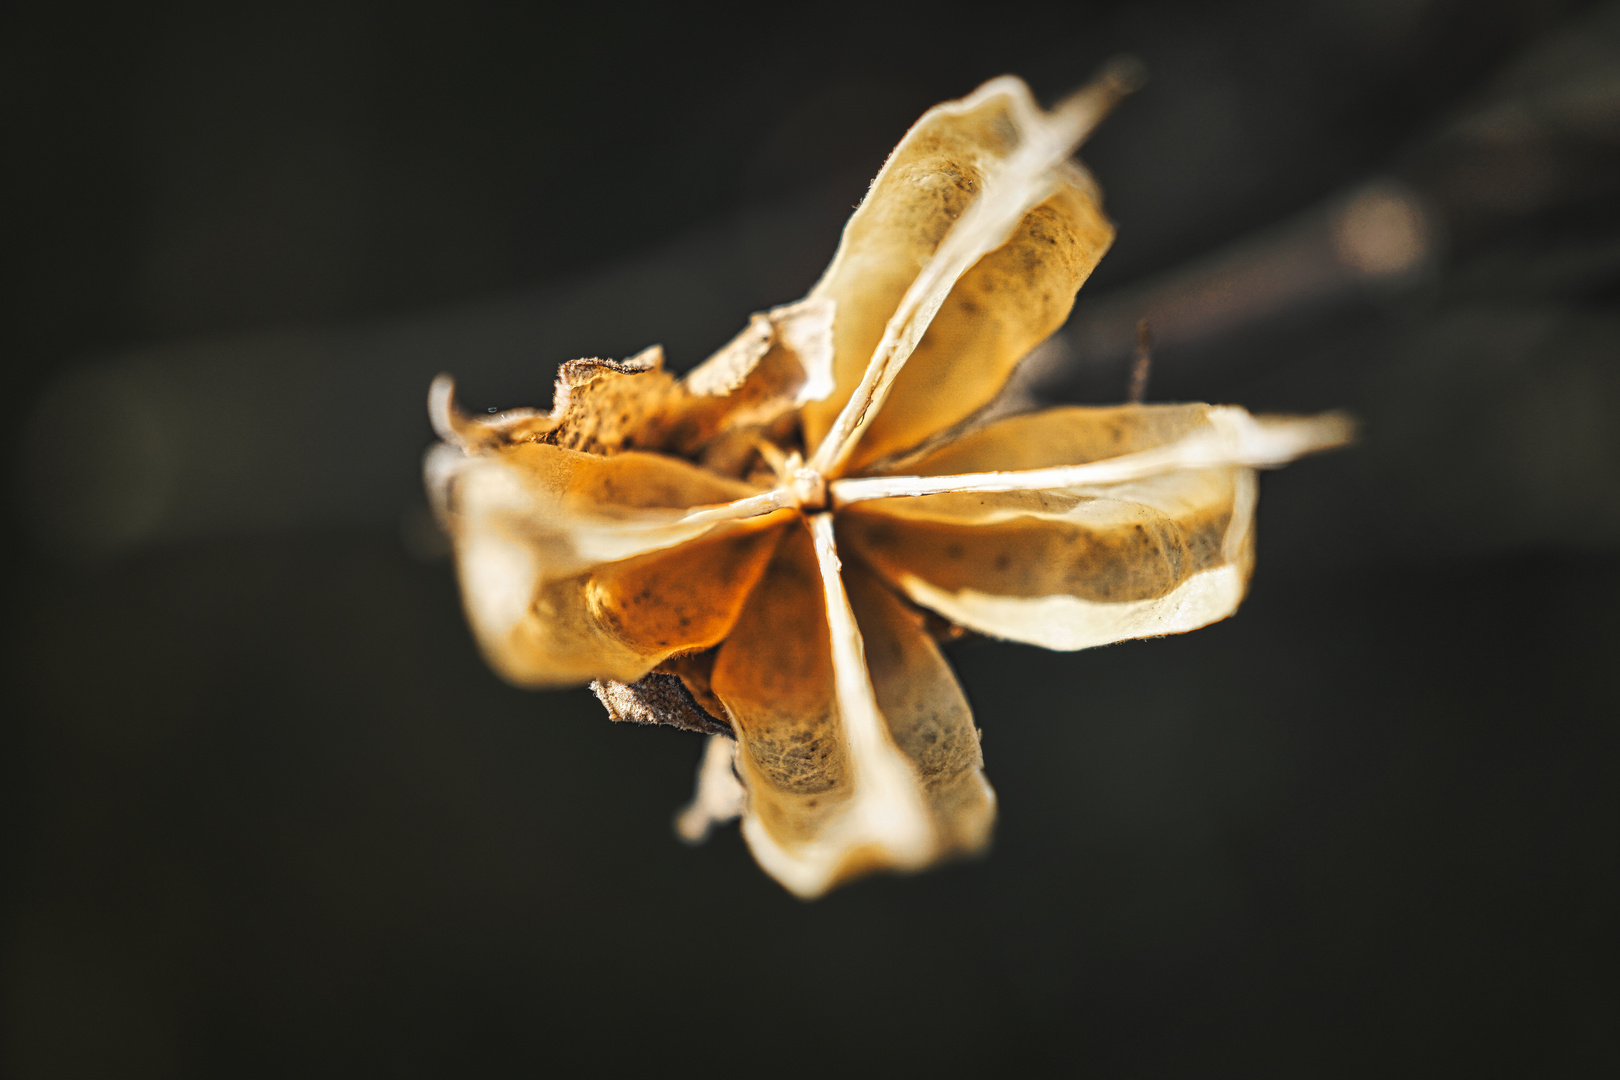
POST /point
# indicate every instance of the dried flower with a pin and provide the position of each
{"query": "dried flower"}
(767, 549)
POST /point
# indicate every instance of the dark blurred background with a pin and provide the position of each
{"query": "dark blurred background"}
(267, 813)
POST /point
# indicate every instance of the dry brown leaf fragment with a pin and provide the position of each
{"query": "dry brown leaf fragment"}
(729, 552)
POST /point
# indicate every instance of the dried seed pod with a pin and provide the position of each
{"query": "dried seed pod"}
(768, 549)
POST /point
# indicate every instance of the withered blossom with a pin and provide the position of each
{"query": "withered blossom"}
(768, 549)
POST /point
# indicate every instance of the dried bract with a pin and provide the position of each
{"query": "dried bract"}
(766, 549)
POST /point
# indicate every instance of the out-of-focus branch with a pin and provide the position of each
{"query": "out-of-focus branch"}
(323, 428)
(1545, 136)
(1382, 233)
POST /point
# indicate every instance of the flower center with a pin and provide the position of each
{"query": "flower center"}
(809, 490)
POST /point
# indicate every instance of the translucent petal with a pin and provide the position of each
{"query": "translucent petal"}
(719, 797)
(1068, 568)
(774, 674)
(575, 566)
(848, 769)
(1066, 435)
(926, 712)
(1004, 304)
(782, 360)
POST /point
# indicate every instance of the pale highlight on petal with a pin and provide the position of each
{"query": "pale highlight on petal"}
(575, 566)
(1231, 437)
(925, 711)
(472, 433)
(780, 361)
(1069, 567)
(830, 794)
(958, 187)
(1070, 622)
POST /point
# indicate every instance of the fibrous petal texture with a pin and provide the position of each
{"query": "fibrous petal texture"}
(965, 254)
(577, 566)
(1033, 556)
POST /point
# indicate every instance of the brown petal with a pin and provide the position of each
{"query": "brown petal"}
(475, 434)
(1069, 568)
(602, 406)
(620, 620)
(835, 789)
(781, 361)
(598, 406)
(575, 567)
(774, 675)
(999, 309)
(657, 698)
(1066, 435)
(926, 712)
(720, 411)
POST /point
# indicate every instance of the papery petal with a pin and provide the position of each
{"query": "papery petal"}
(926, 712)
(604, 406)
(598, 406)
(575, 566)
(782, 360)
(997, 311)
(1064, 435)
(1068, 568)
(478, 433)
(774, 675)
(834, 790)
(657, 698)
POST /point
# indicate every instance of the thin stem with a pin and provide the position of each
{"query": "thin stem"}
(1141, 363)
(753, 506)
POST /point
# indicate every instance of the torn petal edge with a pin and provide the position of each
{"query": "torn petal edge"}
(469, 433)
(657, 698)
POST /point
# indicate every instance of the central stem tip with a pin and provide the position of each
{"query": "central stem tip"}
(809, 490)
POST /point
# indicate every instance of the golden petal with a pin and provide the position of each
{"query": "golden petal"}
(926, 711)
(718, 412)
(830, 796)
(476, 434)
(774, 674)
(1069, 568)
(617, 620)
(848, 769)
(602, 406)
(1065, 435)
(575, 567)
(598, 406)
(1000, 308)
(780, 362)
